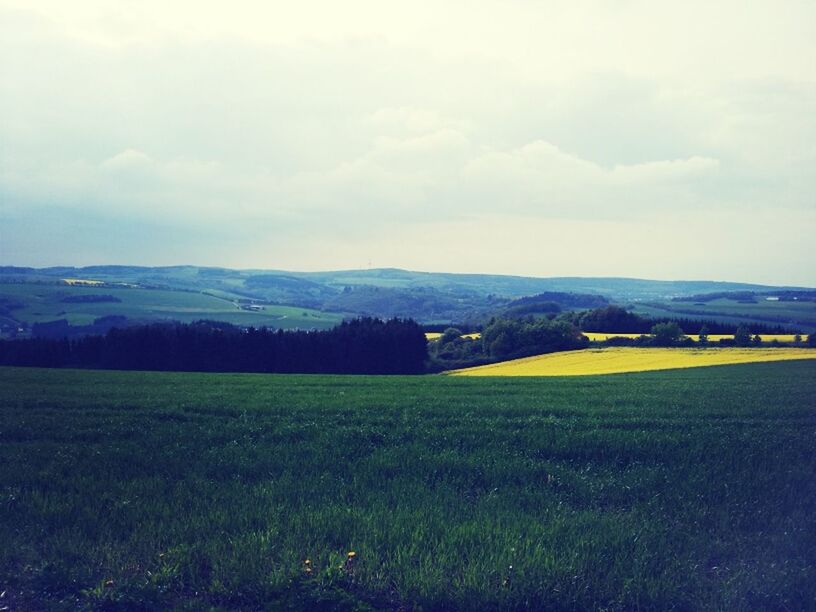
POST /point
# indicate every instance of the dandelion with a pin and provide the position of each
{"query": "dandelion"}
(350, 556)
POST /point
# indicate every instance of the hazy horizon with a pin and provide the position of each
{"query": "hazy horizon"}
(414, 271)
(639, 140)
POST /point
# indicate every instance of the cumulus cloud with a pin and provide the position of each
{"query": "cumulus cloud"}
(665, 170)
(126, 160)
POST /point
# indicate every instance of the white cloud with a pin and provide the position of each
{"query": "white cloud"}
(404, 121)
(665, 170)
(126, 160)
(267, 120)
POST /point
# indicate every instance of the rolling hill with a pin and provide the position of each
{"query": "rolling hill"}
(315, 300)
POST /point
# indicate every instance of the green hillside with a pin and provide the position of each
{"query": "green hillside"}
(795, 314)
(484, 284)
(186, 293)
(27, 304)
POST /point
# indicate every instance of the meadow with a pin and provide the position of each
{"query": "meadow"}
(796, 314)
(683, 489)
(38, 303)
(616, 360)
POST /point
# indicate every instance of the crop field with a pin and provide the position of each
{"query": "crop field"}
(431, 336)
(683, 489)
(600, 337)
(39, 303)
(781, 338)
(615, 360)
(795, 314)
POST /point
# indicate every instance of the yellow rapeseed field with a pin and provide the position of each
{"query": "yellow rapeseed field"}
(600, 337)
(765, 337)
(615, 360)
(431, 336)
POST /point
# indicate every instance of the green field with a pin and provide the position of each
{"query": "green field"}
(796, 315)
(684, 489)
(42, 302)
(431, 298)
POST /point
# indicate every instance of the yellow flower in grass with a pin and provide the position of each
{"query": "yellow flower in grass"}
(349, 566)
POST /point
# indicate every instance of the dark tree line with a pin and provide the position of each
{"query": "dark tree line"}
(799, 295)
(737, 296)
(60, 328)
(360, 346)
(567, 300)
(503, 339)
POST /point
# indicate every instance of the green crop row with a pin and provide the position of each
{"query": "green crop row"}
(688, 489)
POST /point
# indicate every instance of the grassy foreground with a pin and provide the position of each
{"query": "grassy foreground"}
(685, 489)
(616, 360)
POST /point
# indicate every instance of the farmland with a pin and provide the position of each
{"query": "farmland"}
(600, 337)
(431, 336)
(38, 303)
(781, 338)
(681, 489)
(431, 298)
(632, 359)
(801, 315)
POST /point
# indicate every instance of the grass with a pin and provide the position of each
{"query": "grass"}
(684, 489)
(42, 302)
(788, 314)
(616, 360)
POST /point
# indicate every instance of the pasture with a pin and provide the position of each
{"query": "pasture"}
(796, 314)
(616, 360)
(683, 489)
(38, 303)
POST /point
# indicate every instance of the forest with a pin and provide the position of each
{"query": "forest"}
(358, 346)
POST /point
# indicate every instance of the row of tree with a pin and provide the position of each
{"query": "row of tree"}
(671, 334)
(360, 346)
(503, 339)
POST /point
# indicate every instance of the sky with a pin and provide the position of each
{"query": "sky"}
(630, 138)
